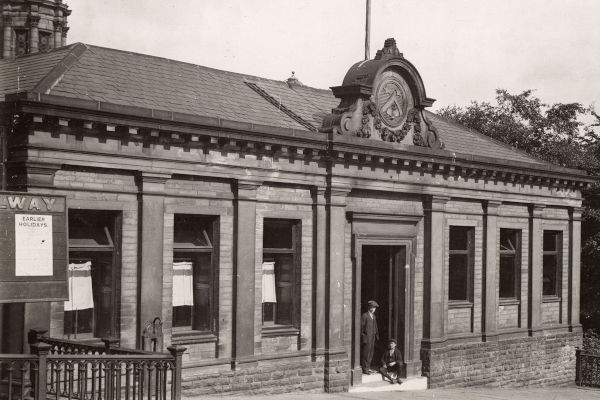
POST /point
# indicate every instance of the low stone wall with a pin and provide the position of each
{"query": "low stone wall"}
(527, 361)
(281, 375)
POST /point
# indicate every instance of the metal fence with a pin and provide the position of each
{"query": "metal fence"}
(70, 370)
(587, 369)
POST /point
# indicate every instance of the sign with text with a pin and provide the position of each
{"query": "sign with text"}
(33, 247)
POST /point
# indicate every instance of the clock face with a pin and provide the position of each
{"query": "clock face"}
(392, 100)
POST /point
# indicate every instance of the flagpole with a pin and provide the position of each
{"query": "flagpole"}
(367, 30)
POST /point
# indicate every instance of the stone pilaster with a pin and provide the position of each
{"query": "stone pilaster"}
(151, 237)
(536, 268)
(574, 266)
(336, 359)
(490, 249)
(320, 276)
(245, 264)
(434, 329)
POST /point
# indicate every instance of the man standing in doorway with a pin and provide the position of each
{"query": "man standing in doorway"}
(368, 335)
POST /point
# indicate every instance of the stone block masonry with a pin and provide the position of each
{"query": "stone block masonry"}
(529, 361)
(263, 377)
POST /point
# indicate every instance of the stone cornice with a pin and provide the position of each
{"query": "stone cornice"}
(81, 117)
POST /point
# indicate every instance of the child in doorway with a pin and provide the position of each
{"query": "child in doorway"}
(391, 361)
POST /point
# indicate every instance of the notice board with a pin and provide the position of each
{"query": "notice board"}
(33, 247)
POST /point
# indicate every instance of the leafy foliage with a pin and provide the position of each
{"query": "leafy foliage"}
(554, 133)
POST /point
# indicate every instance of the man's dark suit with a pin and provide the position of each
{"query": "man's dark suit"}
(368, 335)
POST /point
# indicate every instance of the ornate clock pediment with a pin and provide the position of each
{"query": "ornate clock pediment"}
(383, 99)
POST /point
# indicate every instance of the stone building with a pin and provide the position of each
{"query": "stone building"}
(256, 217)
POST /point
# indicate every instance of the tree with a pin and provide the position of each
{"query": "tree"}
(556, 134)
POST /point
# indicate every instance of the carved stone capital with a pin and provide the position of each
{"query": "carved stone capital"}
(536, 210)
(58, 25)
(152, 182)
(435, 203)
(320, 195)
(65, 30)
(491, 207)
(336, 195)
(33, 20)
(575, 213)
(6, 20)
(246, 189)
(32, 174)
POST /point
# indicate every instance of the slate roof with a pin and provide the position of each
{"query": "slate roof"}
(89, 72)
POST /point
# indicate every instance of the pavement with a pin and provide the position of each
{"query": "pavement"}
(547, 393)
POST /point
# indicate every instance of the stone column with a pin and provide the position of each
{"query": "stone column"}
(58, 25)
(490, 251)
(34, 38)
(536, 268)
(434, 329)
(7, 50)
(336, 358)
(574, 266)
(320, 276)
(150, 242)
(245, 266)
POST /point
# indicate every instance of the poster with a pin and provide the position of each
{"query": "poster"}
(33, 245)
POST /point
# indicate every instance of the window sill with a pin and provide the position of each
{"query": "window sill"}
(551, 299)
(180, 336)
(279, 330)
(509, 302)
(460, 304)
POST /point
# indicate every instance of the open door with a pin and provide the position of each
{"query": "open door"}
(383, 280)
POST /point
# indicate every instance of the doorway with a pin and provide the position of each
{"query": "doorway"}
(383, 279)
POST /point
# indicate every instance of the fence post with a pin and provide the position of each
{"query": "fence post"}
(177, 353)
(35, 335)
(109, 343)
(39, 382)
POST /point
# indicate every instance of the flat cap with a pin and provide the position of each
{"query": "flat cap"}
(392, 341)
(372, 303)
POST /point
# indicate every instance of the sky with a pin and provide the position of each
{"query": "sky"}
(463, 49)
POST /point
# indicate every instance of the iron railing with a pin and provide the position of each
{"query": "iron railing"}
(587, 369)
(78, 371)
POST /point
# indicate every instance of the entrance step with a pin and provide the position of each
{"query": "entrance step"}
(374, 383)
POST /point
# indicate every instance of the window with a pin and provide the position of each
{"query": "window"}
(552, 263)
(194, 272)
(510, 255)
(93, 274)
(461, 263)
(21, 42)
(44, 42)
(281, 240)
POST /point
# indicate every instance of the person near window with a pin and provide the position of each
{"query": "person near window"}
(369, 334)
(391, 362)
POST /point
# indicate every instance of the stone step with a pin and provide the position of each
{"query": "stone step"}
(375, 383)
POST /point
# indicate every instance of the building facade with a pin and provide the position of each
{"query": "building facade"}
(255, 218)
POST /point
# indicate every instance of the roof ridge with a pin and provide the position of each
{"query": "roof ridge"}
(496, 141)
(52, 78)
(170, 60)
